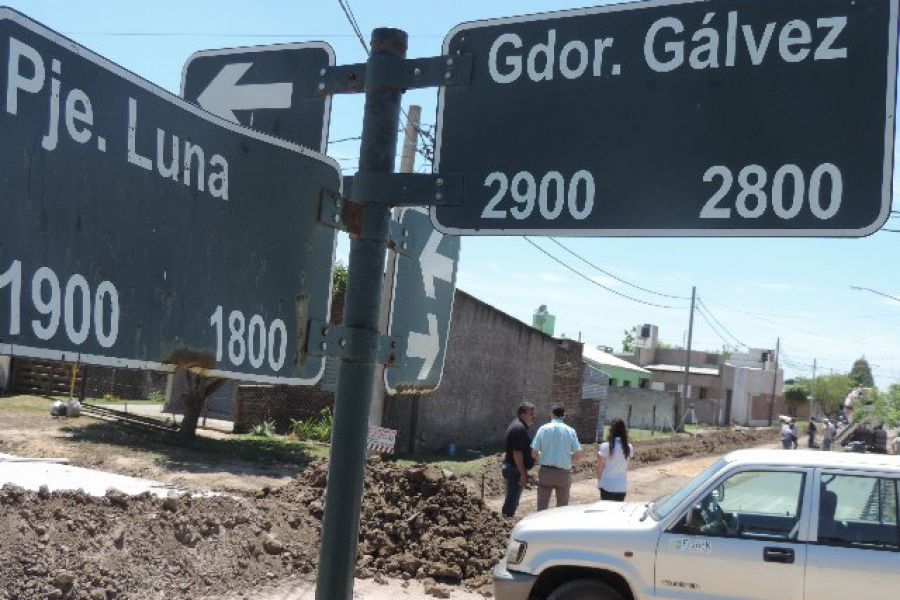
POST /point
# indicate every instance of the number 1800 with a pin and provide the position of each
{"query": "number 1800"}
(251, 342)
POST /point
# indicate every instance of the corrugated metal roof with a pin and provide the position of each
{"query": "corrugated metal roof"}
(601, 358)
(680, 369)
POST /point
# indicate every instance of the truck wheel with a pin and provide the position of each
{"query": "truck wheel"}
(584, 589)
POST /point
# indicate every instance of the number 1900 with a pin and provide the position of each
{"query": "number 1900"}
(73, 305)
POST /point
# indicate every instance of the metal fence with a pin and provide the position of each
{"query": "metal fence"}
(238, 407)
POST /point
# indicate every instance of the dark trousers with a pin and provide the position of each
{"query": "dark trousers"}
(614, 496)
(513, 489)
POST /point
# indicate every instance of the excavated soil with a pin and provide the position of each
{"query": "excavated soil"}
(416, 523)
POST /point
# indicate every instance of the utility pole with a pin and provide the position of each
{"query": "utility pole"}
(407, 162)
(812, 389)
(346, 467)
(687, 363)
(774, 382)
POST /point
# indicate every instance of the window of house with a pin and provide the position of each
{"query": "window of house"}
(626, 383)
(612, 382)
(858, 511)
(703, 393)
(645, 383)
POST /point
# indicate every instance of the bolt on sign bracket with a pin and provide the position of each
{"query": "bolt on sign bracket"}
(393, 72)
(353, 345)
(407, 189)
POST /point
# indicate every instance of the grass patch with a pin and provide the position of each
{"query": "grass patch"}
(461, 466)
(169, 447)
(25, 404)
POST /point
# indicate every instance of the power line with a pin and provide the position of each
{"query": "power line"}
(617, 278)
(725, 329)
(583, 276)
(348, 12)
(713, 327)
(316, 36)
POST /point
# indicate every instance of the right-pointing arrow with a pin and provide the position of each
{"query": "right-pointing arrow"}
(434, 265)
(425, 346)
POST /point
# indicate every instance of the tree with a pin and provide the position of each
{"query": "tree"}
(794, 397)
(339, 280)
(829, 391)
(194, 398)
(628, 342)
(861, 373)
(882, 407)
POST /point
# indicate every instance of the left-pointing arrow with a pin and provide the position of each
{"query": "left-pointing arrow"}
(223, 95)
(425, 346)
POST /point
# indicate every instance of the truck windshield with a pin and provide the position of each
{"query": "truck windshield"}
(663, 506)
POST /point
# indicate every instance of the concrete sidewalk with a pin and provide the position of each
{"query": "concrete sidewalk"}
(32, 473)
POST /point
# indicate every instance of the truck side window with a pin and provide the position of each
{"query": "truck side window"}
(858, 511)
(761, 505)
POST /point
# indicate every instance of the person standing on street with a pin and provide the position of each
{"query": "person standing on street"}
(518, 459)
(556, 445)
(811, 432)
(827, 435)
(795, 434)
(787, 436)
(612, 463)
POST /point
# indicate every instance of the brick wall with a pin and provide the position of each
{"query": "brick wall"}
(568, 382)
(494, 362)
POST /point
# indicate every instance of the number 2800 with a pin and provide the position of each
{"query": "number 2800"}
(755, 194)
(552, 195)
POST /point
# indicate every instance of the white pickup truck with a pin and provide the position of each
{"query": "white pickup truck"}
(756, 525)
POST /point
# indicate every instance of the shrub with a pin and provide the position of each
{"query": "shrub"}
(264, 429)
(316, 428)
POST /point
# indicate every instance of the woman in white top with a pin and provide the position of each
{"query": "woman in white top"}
(612, 463)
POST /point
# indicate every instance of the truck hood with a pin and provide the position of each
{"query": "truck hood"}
(600, 516)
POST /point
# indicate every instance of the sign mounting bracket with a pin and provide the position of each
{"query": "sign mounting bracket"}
(388, 71)
(353, 344)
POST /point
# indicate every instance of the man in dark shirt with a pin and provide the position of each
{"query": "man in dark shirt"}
(518, 459)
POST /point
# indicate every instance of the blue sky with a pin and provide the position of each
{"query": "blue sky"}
(758, 289)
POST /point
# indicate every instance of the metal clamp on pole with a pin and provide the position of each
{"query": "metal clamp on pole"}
(393, 72)
(331, 209)
(352, 345)
(402, 239)
(407, 189)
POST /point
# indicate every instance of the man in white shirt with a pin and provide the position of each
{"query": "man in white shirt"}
(556, 445)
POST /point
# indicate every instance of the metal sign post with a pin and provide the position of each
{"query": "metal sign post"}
(676, 118)
(265, 88)
(346, 467)
(140, 231)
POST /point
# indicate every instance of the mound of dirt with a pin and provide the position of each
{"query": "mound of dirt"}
(416, 523)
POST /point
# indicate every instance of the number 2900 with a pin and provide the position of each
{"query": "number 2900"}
(552, 195)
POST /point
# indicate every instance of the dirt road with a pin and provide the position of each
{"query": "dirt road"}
(645, 483)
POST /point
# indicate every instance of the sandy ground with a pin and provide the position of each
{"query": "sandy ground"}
(37, 435)
(645, 483)
(365, 589)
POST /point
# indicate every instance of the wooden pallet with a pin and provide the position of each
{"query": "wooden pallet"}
(43, 377)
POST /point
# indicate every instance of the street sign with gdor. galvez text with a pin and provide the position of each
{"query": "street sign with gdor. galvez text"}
(137, 230)
(713, 118)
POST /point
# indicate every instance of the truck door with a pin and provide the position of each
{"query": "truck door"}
(740, 540)
(856, 537)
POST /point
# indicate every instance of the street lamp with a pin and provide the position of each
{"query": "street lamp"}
(866, 289)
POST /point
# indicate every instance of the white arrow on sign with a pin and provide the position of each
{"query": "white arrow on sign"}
(223, 95)
(425, 346)
(434, 265)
